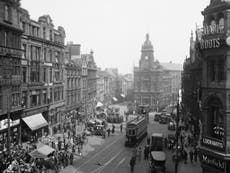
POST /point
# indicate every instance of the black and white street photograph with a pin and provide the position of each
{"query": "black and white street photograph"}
(115, 86)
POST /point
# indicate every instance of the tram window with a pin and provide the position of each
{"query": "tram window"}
(131, 132)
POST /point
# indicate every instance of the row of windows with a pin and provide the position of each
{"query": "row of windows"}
(9, 66)
(73, 99)
(9, 39)
(46, 74)
(35, 53)
(216, 70)
(35, 31)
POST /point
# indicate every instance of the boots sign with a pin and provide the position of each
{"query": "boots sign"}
(213, 42)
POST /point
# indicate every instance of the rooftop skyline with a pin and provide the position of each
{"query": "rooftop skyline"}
(115, 30)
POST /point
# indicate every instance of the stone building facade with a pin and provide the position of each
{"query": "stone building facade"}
(215, 54)
(72, 93)
(148, 78)
(11, 107)
(42, 70)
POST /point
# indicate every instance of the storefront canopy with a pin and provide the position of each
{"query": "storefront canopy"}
(42, 152)
(35, 121)
(99, 104)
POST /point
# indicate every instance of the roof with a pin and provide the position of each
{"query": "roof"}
(157, 134)
(158, 155)
(172, 66)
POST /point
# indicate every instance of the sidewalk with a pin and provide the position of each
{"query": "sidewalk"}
(189, 167)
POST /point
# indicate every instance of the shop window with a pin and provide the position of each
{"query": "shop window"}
(215, 119)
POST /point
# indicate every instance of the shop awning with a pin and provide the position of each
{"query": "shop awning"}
(99, 104)
(35, 121)
(42, 152)
(114, 99)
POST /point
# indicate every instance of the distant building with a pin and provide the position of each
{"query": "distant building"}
(72, 94)
(172, 72)
(148, 78)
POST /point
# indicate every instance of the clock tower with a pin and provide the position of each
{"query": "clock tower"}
(147, 57)
(147, 78)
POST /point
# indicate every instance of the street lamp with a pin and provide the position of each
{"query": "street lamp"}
(8, 120)
(177, 135)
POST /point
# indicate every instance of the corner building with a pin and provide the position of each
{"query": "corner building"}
(215, 53)
(147, 78)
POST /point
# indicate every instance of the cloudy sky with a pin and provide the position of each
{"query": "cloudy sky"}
(116, 29)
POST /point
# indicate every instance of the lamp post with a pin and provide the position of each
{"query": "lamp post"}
(177, 135)
(8, 121)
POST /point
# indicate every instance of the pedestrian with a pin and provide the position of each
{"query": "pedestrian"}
(73, 149)
(113, 129)
(139, 152)
(148, 140)
(108, 132)
(191, 156)
(195, 154)
(79, 150)
(121, 128)
(146, 153)
(185, 156)
(132, 164)
(71, 158)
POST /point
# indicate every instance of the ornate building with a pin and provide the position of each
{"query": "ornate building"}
(214, 50)
(11, 106)
(148, 78)
(42, 69)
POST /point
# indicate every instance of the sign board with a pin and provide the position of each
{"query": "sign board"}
(213, 143)
(212, 161)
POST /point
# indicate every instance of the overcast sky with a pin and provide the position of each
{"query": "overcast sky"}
(116, 29)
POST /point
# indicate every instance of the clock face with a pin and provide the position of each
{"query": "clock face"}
(146, 57)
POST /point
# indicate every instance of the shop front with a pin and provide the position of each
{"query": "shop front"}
(56, 122)
(214, 162)
(14, 132)
(34, 127)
